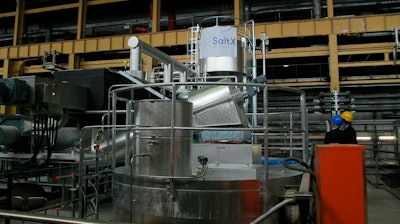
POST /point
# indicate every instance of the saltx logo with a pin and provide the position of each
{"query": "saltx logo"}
(224, 41)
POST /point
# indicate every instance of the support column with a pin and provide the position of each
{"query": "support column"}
(73, 61)
(82, 14)
(238, 11)
(156, 16)
(333, 63)
(333, 54)
(19, 23)
(329, 6)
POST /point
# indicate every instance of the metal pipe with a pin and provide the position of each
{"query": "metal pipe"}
(25, 216)
(172, 132)
(317, 9)
(274, 209)
(266, 153)
(136, 81)
(304, 126)
(263, 43)
(254, 76)
(135, 59)
(376, 102)
(138, 45)
(396, 45)
(81, 203)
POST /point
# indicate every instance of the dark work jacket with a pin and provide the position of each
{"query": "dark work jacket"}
(349, 135)
(333, 136)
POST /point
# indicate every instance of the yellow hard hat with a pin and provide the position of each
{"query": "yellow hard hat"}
(347, 116)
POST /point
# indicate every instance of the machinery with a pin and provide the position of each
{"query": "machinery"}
(190, 146)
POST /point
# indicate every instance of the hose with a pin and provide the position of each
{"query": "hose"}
(307, 168)
(274, 209)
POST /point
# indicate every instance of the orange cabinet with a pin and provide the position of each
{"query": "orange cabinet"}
(341, 195)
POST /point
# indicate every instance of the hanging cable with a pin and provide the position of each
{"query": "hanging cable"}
(307, 168)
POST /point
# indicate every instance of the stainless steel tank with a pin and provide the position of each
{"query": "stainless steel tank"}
(162, 150)
(234, 199)
(161, 185)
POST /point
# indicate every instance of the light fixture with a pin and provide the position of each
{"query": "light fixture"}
(386, 138)
(363, 138)
(285, 66)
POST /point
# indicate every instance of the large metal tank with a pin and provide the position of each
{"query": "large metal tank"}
(226, 195)
(161, 185)
(160, 149)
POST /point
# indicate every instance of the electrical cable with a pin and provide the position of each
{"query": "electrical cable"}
(312, 211)
(307, 168)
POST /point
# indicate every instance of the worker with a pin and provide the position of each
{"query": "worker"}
(335, 135)
(349, 134)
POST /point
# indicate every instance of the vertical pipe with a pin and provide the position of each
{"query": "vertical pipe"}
(246, 10)
(266, 171)
(396, 45)
(73, 195)
(97, 183)
(128, 121)
(317, 9)
(81, 180)
(182, 78)
(245, 66)
(114, 122)
(135, 58)
(291, 133)
(304, 124)
(167, 73)
(9, 194)
(263, 42)
(172, 133)
(254, 75)
(171, 72)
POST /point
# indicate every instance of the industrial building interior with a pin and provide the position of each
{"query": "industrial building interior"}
(128, 105)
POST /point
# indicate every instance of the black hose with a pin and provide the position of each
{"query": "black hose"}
(307, 168)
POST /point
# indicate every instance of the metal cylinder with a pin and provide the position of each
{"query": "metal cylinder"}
(210, 199)
(161, 148)
(184, 201)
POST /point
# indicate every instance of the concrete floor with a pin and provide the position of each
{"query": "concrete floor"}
(383, 207)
